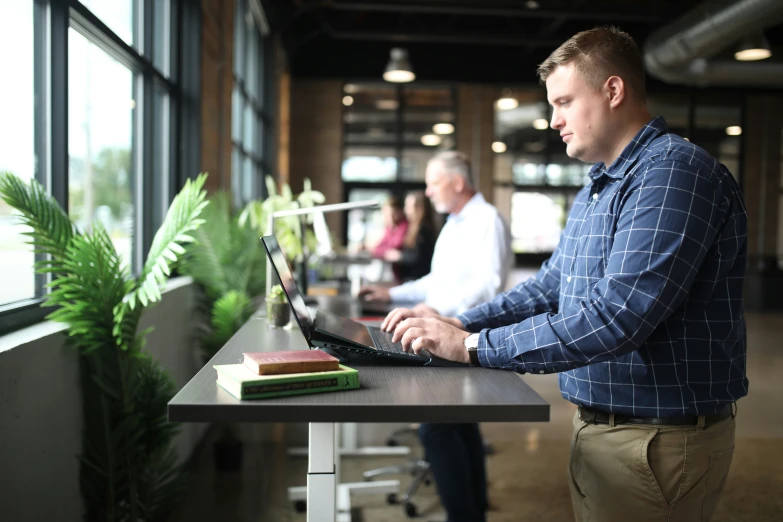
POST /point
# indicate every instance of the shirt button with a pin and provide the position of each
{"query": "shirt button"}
(568, 279)
(595, 196)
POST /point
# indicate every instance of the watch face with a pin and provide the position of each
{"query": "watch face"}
(471, 342)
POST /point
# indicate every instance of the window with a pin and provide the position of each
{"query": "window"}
(251, 127)
(100, 142)
(535, 181)
(108, 151)
(17, 141)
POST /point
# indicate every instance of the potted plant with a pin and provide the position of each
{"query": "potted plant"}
(277, 313)
(128, 465)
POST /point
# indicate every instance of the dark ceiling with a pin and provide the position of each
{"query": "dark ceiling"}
(492, 41)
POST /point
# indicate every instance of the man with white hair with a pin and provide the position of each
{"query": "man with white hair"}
(473, 226)
(469, 266)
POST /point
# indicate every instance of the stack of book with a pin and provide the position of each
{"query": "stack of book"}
(275, 374)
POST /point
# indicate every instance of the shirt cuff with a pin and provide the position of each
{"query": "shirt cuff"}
(493, 349)
(469, 317)
(401, 293)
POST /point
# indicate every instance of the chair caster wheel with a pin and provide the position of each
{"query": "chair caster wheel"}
(300, 506)
(428, 482)
(391, 498)
(392, 442)
(410, 510)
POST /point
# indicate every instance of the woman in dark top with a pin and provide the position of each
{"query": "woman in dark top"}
(414, 259)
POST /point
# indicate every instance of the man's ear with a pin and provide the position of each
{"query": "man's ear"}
(459, 184)
(615, 91)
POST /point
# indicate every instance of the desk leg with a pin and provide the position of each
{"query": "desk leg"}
(327, 499)
(349, 446)
(321, 478)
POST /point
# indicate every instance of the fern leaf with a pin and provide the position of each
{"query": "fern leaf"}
(181, 218)
(51, 229)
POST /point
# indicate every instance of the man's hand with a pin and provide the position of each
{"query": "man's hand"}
(421, 310)
(398, 314)
(439, 338)
(392, 255)
(375, 293)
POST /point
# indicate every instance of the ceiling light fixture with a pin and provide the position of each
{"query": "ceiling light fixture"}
(347, 101)
(351, 88)
(532, 4)
(399, 70)
(443, 128)
(387, 105)
(753, 47)
(540, 124)
(499, 147)
(506, 103)
(734, 130)
(430, 140)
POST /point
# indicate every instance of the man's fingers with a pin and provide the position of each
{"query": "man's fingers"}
(387, 319)
(410, 335)
(422, 343)
(392, 319)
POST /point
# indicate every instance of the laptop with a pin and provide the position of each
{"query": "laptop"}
(350, 341)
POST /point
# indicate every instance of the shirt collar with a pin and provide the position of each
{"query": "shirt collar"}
(472, 203)
(631, 152)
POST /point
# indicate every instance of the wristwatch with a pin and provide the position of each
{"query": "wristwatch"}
(471, 345)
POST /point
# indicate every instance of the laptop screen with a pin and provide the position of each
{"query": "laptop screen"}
(283, 271)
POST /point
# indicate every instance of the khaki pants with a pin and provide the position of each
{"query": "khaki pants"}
(645, 473)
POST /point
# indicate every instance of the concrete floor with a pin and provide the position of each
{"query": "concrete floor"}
(527, 472)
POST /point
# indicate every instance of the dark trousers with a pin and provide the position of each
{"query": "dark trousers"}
(456, 456)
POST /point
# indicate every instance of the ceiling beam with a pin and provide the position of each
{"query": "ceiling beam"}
(450, 38)
(612, 13)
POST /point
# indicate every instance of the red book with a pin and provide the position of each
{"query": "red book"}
(291, 361)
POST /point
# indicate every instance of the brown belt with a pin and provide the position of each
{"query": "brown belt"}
(592, 416)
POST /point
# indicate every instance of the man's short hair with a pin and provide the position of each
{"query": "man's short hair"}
(598, 54)
(455, 163)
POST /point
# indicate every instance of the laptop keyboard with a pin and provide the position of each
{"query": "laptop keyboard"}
(383, 341)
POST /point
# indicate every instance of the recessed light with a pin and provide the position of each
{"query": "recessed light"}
(443, 128)
(430, 140)
(540, 124)
(734, 130)
(507, 103)
(499, 147)
(387, 105)
(347, 101)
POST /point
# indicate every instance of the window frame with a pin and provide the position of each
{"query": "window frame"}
(258, 152)
(158, 164)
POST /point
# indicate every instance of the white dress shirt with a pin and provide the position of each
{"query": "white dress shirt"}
(470, 263)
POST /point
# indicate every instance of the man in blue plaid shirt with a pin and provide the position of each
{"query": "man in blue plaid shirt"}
(639, 309)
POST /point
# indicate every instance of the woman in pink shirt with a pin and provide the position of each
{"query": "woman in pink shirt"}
(395, 229)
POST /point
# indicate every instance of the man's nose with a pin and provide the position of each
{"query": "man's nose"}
(557, 121)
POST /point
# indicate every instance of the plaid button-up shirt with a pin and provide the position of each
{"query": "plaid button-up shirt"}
(640, 306)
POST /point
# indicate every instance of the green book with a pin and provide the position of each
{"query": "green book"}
(242, 383)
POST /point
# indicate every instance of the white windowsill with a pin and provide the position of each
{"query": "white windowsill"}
(46, 328)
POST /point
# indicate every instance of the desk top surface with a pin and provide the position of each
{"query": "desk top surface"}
(386, 393)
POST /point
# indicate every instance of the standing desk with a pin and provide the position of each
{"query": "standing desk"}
(386, 394)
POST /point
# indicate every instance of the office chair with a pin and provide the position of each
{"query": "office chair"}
(418, 468)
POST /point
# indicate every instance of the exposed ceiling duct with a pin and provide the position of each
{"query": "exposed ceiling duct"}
(678, 52)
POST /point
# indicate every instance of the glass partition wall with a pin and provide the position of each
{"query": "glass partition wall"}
(389, 134)
(535, 181)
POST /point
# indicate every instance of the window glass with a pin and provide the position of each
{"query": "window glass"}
(17, 153)
(365, 226)
(118, 15)
(537, 220)
(718, 129)
(100, 129)
(369, 164)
